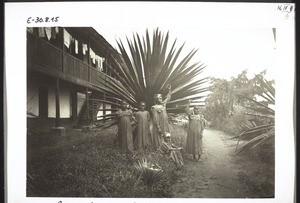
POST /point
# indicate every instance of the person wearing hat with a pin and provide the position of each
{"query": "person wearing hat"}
(160, 118)
(167, 148)
(195, 131)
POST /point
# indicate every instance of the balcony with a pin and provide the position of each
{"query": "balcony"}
(48, 59)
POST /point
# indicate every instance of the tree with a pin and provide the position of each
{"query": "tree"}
(223, 103)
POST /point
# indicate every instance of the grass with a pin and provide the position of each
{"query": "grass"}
(90, 165)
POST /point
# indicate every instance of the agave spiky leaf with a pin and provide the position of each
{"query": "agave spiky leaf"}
(258, 135)
(257, 140)
(145, 67)
(149, 66)
(148, 171)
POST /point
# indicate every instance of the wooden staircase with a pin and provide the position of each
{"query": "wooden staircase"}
(89, 118)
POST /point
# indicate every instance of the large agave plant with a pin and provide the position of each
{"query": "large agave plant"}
(148, 171)
(145, 67)
(257, 135)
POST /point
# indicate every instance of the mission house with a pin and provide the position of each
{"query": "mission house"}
(68, 69)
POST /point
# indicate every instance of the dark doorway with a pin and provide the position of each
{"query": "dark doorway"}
(43, 102)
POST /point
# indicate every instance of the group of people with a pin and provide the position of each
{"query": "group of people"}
(154, 131)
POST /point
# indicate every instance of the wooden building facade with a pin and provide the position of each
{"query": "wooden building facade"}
(67, 73)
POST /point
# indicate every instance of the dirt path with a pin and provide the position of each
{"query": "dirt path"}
(218, 174)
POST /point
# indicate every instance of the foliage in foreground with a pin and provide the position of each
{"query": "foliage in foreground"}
(149, 173)
(242, 107)
(89, 165)
(262, 134)
(225, 108)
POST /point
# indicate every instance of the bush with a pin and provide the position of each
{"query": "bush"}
(235, 123)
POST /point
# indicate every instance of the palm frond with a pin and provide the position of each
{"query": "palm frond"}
(149, 172)
(257, 140)
(265, 84)
(145, 66)
(148, 66)
(256, 136)
(258, 103)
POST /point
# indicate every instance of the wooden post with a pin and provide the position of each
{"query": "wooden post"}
(104, 94)
(57, 105)
(61, 36)
(110, 72)
(89, 61)
(87, 106)
(93, 116)
(63, 50)
(74, 104)
(105, 64)
(104, 106)
(87, 90)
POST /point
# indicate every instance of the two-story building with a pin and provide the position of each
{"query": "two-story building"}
(68, 69)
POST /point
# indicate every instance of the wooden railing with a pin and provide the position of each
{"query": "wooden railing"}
(44, 53)
(54, 59)
(76, 68)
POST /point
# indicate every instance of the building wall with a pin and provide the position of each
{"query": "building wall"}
(64, 100)
(80, 101)
(32, 99)
(41, 53)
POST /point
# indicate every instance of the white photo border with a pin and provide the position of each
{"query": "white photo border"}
(223, 15)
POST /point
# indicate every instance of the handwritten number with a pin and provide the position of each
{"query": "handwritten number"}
(279, 8)
(285, 8)
(41, 20)
(54, 19)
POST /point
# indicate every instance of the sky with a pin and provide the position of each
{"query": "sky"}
(226, 50)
